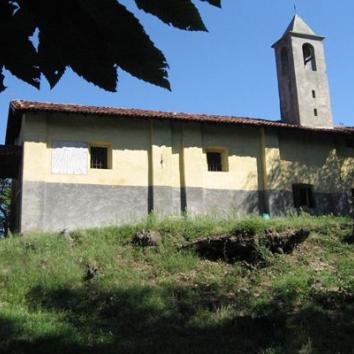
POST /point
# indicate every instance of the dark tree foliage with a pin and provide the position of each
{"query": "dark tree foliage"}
(92, 37)
(5, 203)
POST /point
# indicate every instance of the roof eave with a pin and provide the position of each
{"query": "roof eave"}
(18, 108)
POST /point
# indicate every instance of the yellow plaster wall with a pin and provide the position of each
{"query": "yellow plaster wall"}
(193, 155)
(129, 149)
(242, 150)
(164, 165)
(174, 154)
(272, 160)
(346, 156)
(133, 141)
(320, 161)
(177, 173)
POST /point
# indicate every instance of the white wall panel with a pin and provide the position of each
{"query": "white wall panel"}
(69, 157)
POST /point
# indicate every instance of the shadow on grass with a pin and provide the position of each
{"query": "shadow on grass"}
(170, 320)
(349, 238)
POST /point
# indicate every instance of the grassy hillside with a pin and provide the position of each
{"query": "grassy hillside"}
(164, 300)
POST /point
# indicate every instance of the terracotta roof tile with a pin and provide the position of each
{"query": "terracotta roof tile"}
(20, 106)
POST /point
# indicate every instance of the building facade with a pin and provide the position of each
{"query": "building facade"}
(79, 166)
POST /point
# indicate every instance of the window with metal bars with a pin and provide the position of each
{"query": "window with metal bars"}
(214, 161)
(99, 157)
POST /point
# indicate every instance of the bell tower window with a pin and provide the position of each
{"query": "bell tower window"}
(308, 52)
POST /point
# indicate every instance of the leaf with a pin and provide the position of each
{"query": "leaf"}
(51, 60)
(216, 3)
(17, 53)
(94, 37)
(68, 38)
(2, 86)
(180, 13)
(126, 41)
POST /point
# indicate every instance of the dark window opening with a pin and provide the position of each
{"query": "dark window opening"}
(214, 161)
(349, 143)
(315, 112)
(313, 94)
(99, 157)
(309, 57)
(303, 196)
(284, 61)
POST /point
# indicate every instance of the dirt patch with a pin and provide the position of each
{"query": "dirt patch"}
(246, 245)
(147, 238)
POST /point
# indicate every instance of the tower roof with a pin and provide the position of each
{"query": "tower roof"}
(298, 25)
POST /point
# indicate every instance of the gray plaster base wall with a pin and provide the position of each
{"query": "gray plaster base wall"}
(54, 207)
(221, 202)
(281, 202)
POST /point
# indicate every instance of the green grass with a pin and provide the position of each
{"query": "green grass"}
(165, 300)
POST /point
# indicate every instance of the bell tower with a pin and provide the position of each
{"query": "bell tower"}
(302, 77)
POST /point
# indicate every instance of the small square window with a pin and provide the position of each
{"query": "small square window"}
(303, 196)
(215, 161)
(99, 157)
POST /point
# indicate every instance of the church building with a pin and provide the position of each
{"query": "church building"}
(83, 166)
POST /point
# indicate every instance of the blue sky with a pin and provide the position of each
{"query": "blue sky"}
(228, 71)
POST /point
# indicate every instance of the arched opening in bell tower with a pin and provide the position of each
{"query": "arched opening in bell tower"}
(308, 52)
